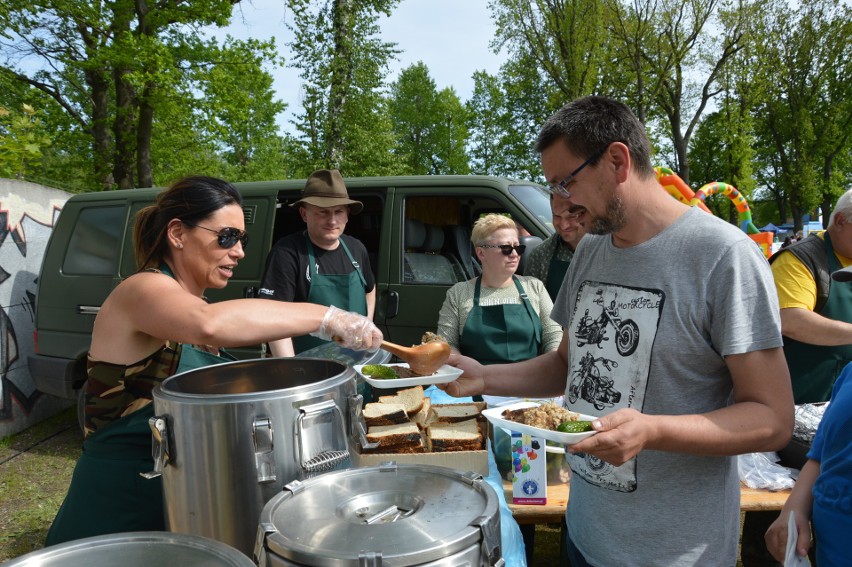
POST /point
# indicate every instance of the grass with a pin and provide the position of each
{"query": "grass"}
(35, 470)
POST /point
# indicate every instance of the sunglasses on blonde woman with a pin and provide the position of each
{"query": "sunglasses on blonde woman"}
(506, 249)
(227, 237)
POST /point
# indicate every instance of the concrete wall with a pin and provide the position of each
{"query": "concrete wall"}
(27, 215)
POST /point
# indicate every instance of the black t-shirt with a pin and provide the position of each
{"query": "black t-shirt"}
(287, 275)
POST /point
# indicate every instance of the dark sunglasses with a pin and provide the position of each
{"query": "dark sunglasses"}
(506, 249)
(228, 236)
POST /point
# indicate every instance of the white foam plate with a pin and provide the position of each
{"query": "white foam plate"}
(494, 415)
(445, 374)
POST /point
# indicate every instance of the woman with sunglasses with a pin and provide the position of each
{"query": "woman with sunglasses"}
(498, 317)
(156, 323)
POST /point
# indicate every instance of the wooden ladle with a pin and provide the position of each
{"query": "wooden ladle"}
(424, 359)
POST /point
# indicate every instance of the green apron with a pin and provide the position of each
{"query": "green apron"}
(556, 273)
(814, 368)
(107, 494)
(344, 291)
(501, 333)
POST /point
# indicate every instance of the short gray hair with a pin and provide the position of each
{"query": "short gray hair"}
(843, 207)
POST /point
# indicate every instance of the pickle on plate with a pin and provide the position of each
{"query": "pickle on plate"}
(574, 426)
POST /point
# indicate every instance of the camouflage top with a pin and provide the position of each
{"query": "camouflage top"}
(537, 263)
(115, 390)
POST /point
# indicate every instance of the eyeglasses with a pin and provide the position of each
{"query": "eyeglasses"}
(561, 188)
(506, 249)
(228, 236)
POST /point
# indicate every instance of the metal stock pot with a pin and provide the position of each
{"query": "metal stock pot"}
(136, 549)
(400, 515)
(228, 437)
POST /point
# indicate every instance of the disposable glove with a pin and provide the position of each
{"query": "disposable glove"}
(350, 330)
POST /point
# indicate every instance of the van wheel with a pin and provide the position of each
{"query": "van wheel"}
(81, 407)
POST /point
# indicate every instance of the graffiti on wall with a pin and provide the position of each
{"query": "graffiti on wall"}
(25, 227)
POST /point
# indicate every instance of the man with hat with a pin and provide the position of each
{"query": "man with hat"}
(320, 264)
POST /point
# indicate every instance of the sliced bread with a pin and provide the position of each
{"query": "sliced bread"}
(411, 398)
(399, 434)
(463, 435)
(450, 413)
(384, 414)
(421, 418)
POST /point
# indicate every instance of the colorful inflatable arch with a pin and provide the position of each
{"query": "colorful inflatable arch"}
(678, 189)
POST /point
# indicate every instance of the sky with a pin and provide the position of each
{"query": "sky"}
(450, 36)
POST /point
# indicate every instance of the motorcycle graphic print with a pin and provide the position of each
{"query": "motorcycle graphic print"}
(611, 336)
(595, 331)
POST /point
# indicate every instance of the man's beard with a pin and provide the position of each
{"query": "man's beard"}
(613, 220)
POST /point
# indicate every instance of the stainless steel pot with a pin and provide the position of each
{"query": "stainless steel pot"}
(228, 437)
(398, 515)
(136, 549)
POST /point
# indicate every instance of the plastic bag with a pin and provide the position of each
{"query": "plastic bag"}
(760, 470)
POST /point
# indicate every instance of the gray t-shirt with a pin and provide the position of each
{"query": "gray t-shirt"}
(648, 328)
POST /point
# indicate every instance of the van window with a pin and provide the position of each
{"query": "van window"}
(95, 242)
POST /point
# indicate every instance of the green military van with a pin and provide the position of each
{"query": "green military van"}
(416, 229)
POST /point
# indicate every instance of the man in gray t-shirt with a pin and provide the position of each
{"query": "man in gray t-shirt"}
(672, 335)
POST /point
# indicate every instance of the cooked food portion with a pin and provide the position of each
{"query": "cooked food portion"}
(574, 426)
(546, 416)
(379, 371)
(430, 337)
(385, 372)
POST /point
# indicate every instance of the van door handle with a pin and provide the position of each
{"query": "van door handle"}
(88, 309)
(392, 305)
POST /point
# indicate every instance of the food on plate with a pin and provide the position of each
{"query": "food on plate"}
(574, 426)
(411, 399)
(379, 371)
(384, 414)
(545, 416)
(430, 337)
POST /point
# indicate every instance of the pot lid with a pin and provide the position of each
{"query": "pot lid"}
(135, 549)
(402, 514)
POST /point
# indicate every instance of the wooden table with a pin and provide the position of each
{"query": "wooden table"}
(553, 512)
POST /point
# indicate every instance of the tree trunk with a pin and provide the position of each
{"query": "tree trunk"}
(101, 139)
(143, 139)
(341, 79)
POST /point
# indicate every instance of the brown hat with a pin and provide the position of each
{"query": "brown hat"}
(325, 188)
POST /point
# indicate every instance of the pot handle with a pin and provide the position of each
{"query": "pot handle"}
(329, 458)
(159, 446)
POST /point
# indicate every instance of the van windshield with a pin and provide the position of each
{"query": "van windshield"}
(535, 199)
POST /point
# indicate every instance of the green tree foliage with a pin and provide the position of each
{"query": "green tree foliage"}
(343, 123)
(116, 70)
(22, 137)
(412, 107)
(805, 115)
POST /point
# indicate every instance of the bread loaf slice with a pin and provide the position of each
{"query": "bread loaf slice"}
(411, 398)
(421, 418)
(459, 436)
(399, 434)
(408, 447)
(384, 414)
(450, 413)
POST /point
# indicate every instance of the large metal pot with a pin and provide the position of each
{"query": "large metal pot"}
(227, 438)
(400, 515)
(136, 549)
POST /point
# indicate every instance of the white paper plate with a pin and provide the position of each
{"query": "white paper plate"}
(445, 374)
(494, 415)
